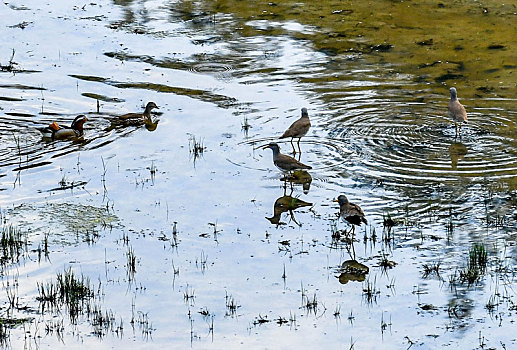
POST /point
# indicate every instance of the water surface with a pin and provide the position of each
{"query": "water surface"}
(207, 249)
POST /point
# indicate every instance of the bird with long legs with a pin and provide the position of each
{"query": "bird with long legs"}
(456, 111)
(298, 129)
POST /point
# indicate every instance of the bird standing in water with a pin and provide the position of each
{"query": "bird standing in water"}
(456, 111)
(298, 129)
(57, 132)
(284, 162)
(350, 212)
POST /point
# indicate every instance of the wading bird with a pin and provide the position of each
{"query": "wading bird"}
(284, 162)
(298, 129)
(456, 111)
(350, 212)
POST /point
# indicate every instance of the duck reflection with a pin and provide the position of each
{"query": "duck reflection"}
(457, 151)
(352, 270)
(286, 204)
(150, 125)
(299, 177)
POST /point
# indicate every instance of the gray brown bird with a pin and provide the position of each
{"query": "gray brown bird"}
(137, 118)
(456, 111)
(350, 212)
(298, 129)
(283, 162)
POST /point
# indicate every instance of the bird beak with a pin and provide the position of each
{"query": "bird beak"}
(335, 200)
(266, 146)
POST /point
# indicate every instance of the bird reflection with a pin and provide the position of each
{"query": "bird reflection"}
(352, 270)
(150, 125)
(286, 204)
(457, 151)
(299, 177)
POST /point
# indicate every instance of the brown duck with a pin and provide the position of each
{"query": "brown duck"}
(137, 118)
(456, 111)
(298, 129)
(350, 212)
(284, 162)
(57, 132)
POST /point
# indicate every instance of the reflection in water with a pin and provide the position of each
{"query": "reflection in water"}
(286, 204)
(457, 151)
(299, 177)
(352, 270)
(379, 105)
(149, 124)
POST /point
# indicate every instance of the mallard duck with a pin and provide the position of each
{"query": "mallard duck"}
(456, 111)
(283, 162)
(298, 129)
(57, 132)
(350, 212)
(137, 118)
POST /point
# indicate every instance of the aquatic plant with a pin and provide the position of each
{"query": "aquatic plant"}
(12, 244)
(68, 290)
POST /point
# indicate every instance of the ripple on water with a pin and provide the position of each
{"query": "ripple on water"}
(321, 154)
(406, 148)
(220, 71)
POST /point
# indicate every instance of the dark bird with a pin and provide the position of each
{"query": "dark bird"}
(57, 132)
(137, 118)
(283, 162)
(298, 129)
(350, 212)
(456, 111)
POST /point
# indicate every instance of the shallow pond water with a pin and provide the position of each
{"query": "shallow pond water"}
(184, 234)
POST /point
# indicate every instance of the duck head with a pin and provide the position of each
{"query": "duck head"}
(78, 122)
(150, 106)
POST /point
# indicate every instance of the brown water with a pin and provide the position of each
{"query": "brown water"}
(207, 249)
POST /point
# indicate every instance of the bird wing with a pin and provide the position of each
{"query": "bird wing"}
(289, 163)
(457, 111)
(130, 116)
(66, 133)
(351, 209)
(298, 128)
